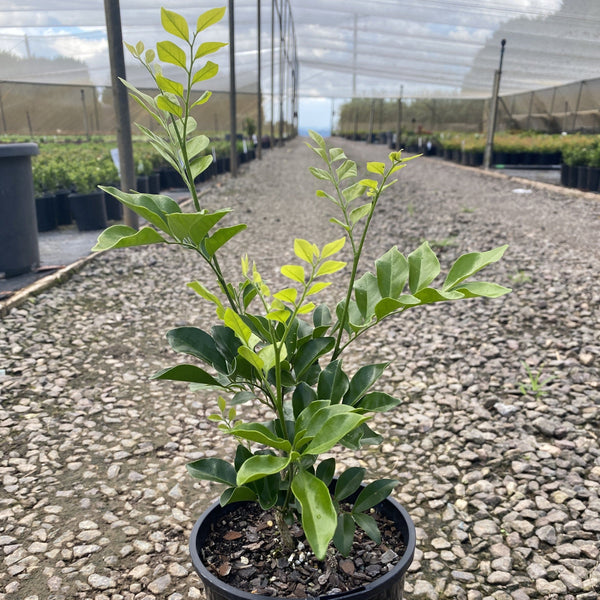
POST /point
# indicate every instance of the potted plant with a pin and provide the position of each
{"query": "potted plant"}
(276, 347)
(88, 206)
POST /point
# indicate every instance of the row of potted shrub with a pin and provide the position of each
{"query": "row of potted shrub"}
(66, 178)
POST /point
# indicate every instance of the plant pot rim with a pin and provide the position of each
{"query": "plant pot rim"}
(363, 592)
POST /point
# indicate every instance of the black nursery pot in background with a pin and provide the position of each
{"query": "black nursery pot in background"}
(387, 587)
(62, 205)
(89, 210)
(45, 211)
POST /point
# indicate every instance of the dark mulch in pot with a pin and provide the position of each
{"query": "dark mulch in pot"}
(244, 551)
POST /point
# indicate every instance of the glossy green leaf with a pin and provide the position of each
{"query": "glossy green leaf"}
(122, 236)
(204, 98)
(251, 356)
(348, 482)
(424, 267)
(326, 470)
(362, 380)
(469, 264)
(356, 190)
(361, 436)
(208, 48)
(392, 273)
(287, 295)
(430, 295)
(256, 432)
(198, 343)
(321, 320)
(221, 237)
(196, 145)
(171, 53)
(373, 494)
(360, 212)
(212, 469)
(344, 534)
(189, 373)
(317, 138)
(209, 18)
(206, 294)
(336, 154)
(193, 227)
(307, 415)
(302, 397)
(369, 525)
(387, 306)
(346, 170)
(237, 494)
(306, 308)
(376, 167)
(310, 352)
(317, 287)
(174, 24)
(268, 356)
(293, 272)
(319, 518)
(236, 323)
(333, 430)
(333, 382)
(259, 466)
(367, 295)
(208, 71)
(377, 402)
(333, 247)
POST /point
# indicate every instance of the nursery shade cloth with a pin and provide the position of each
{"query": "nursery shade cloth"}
(345, 48)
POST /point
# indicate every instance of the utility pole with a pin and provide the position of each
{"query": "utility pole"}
(489, 146)
(121, 103)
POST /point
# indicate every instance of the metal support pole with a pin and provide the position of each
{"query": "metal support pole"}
(86, 125)
(489, 146)
(399, 120)
(371, 115)
(259, 90)
(577, 105)
(530, 110)
(272, 141)
(281, 48)
(232, 96)
(121, 103)
(2, 114)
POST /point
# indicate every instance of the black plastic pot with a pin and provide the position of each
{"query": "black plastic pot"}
(141, 184)
(154, 183)
(114, 209)
(593, 180)
(89, 210)
(62, 205)
(387, 587)
(45, 212)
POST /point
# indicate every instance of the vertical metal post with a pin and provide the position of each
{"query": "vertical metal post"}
(259, 90)
(332, 117)
(371, 115)
(399, 119)
(577, 105)
(85, 117)
(121, 103)
(354, 54)
(280, 136)
(355, 103)
(2, 114)
(530, 110)
(489, 146)
(29, 123)
(232, 95)
(96, 112)
(273, 72)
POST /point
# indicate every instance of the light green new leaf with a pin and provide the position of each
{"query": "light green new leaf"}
(251, 357)
(175, 24)
(306, 308)
(287, 295)
(171, 53)
(322, 194)
(370, 183)
(356, 190)
(208, 48)
(293, 272)
(208, 18)
(329, 267)
(196, 145)
(392, 273)
(149, 56)
(376, 167)
(304, 250)
(260, 466)
(132, 49)
(317, 287)
(235, 323)
(168, 85)
(336, 154)
(267, 355)
(172, 107)
(208, 71)
(360, 212)
(319, 517)
(200, 164)
(333, 247)
(256, 432)
(346, 170)
(423, 266)
(469, 264)
(321, 174)
(122, 236)
(212, 469)
(203, 99)
(315, 137)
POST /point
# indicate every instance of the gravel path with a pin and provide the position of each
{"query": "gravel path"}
(504, 487)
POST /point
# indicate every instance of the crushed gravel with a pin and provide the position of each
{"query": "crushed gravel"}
(502, 479)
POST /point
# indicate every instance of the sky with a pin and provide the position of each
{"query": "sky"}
(344, 47)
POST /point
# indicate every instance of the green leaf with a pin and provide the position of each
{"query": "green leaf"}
(344, 534)
(260, 466)
(363, 379)
(356, 190)
(310, 352)
(198, 343)
(348, 482)
(165, 103)
(387, 306)
(189, 373)
(237, 494)
(333, 430)
(205, 293)
(305, 250)
(203, 99)
(469, 264)
(330, 266)
(256, 432)
(366, 292)
(193, 227)
(251, 356)
(321, 174)
(235, 322)
(171, 53)
(346, 169)
(376, 167)
(212, 469)
(476, 289)
(424, 267)
(196, 145)
(293, 272)
(322, 194)
(174, 24)
(168, 85)
(317, 287)
(333, 247)
(319, 518)
(208, 71)
(360, 212)
(362, 436)
(333, 382)
(321, 319)
(208, 48)
(326, 470)
(302, 397)
(430, 295)
(287, 295)
(122, 236)
(369, 525)
(377, 402)
(392, 273)
(336, 154)
(338, 222)
(209, 18)
(221, 237)
(373, 494)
